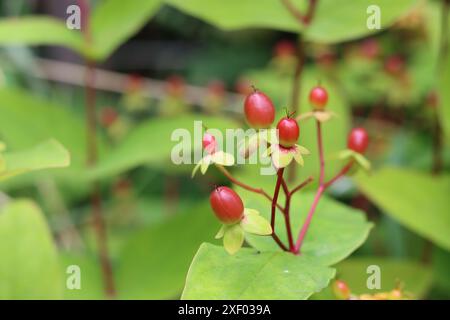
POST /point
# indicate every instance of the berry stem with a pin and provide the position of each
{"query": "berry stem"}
(247, 187)
(274, 204)
(322, 187)
(301, 185)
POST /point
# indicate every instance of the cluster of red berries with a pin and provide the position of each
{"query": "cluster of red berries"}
(260, 114)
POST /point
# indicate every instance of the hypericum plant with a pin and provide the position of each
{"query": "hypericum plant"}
(282, 147)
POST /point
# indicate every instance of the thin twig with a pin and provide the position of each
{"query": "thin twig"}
(301, 185)
(304, 19)
(275, 202)
(246, 186)
(322, 187)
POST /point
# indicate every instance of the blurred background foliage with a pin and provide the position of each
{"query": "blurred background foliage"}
(163, 65)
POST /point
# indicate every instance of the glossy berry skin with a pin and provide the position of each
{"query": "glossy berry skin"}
(209, 143)
(341, 290)
(288, 131)
(318, 97)
(358, 140)
(259, 110)
(227, 205)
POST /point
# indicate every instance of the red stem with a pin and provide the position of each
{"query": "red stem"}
(246, 186)
(301, 185)
(275, 201)
(304, 19)
(322, 187)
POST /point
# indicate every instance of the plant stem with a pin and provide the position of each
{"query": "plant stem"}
(92, 156)
(246, 186)
(304, 19)
(274, 206)
(322, 187)
(301, 185)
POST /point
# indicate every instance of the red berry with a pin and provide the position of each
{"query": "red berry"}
(288, 131)
(108, 116)
(370, 48)
(394, 65)
(209, 143)
(284, 48)
(358, 140)
(259, 110)
(341, 290)
(227, 205)
(318, 97)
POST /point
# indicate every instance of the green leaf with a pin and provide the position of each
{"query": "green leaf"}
(415, 278)
(29, 267)
(154, 262)
(214, 274)
(233, 238)
(441, 265)
(444, 94)
(40, 30)
(151, 143)
(26, 120)
(239, 14)
(334, 20)
(335, 231)
(49, 154)
(256, 224)
(343, 20)
(112, 23)
(91, 280)
(418, 201)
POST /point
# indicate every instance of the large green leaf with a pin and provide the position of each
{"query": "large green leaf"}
(26, 120)
(39, 30)
(114, 21)
(29, 267)
(154, 262)
(342, 20)
(418, 201)
(444, 106)
(150, 143)
(415, 278)
(49, 154)
(335, 232)
(334, 21)
(214, 274)
(91, 280)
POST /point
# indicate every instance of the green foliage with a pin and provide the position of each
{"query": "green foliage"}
(335, 232)
(44, 120)
(214, 274)
(40, 30)
(417, 200)
(90, 276)
(334, 21)
(415, 278)
(444, 103)
(154, 262)
(29, 267)
(112, 23)
(49, 154)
